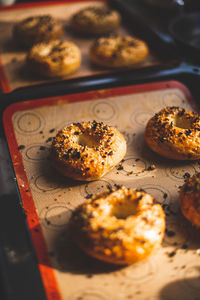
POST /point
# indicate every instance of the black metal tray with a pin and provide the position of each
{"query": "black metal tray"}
(143, 21)
(19, 274)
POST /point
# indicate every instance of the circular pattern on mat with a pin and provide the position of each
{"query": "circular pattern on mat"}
(133, 166)
(178, 172)
(153, 103)
(140, 118)
(176, 235)
(160, 194)
(29, 122)
(94, 187)
(36, 152)
(104, 111)
(47, 182)
(55, 216)
(141, 271)
(129, 137)
(171, 99)
(89, 294)
(190, 275)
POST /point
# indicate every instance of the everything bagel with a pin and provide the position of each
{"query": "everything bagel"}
(119, 227)
(190, 199)
(87, 150)
(118, 51)
(36, 29)
(54, 58)
(174, 133)
(95, 20)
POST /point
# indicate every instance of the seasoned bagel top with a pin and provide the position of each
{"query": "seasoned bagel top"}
(35, 23)
(118, 51)
(87, 150)
(99, 20)
(55, 52)
(192, 185)
(175, 133)
(190, 199)
(121, 226)
(36, 29)
(54, 58)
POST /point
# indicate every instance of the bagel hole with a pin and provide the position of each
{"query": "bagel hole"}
(124, 210)
(182, 123)
(85, 140)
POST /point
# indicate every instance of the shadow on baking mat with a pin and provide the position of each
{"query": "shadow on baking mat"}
(6, 25)
(7, 45)
(48, 180)
(22, 71)
(182, 238)
(10, 46)
(66, 256)
(186, 288)
(20, 67)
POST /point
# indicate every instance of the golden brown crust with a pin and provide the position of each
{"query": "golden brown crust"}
(190, 199)
(55, 58)
(119, 227)
(174, 133)
(118, 51)
(36, 29)
(95, 20)
(87, 150)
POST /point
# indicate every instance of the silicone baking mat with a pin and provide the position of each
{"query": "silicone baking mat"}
(173, 272)
(13, 68)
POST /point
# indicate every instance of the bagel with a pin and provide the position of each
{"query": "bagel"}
(190, 199)
(54, 58)
(36, 29)
(120, 227)
(174, 133)
(88, 150)
(118, 51)
(95, 20)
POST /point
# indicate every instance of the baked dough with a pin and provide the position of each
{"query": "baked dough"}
(174, 133)
(54, 59)
(36, 29)
(95, 20)
(190, 199)
(118, 51)
(120, 227)
(87, 150)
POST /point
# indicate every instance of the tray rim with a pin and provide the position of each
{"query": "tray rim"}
(44, 3)
(88, 95)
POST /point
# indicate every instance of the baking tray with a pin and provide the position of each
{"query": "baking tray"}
(154, 23)
(49, 199)
(13, 68)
